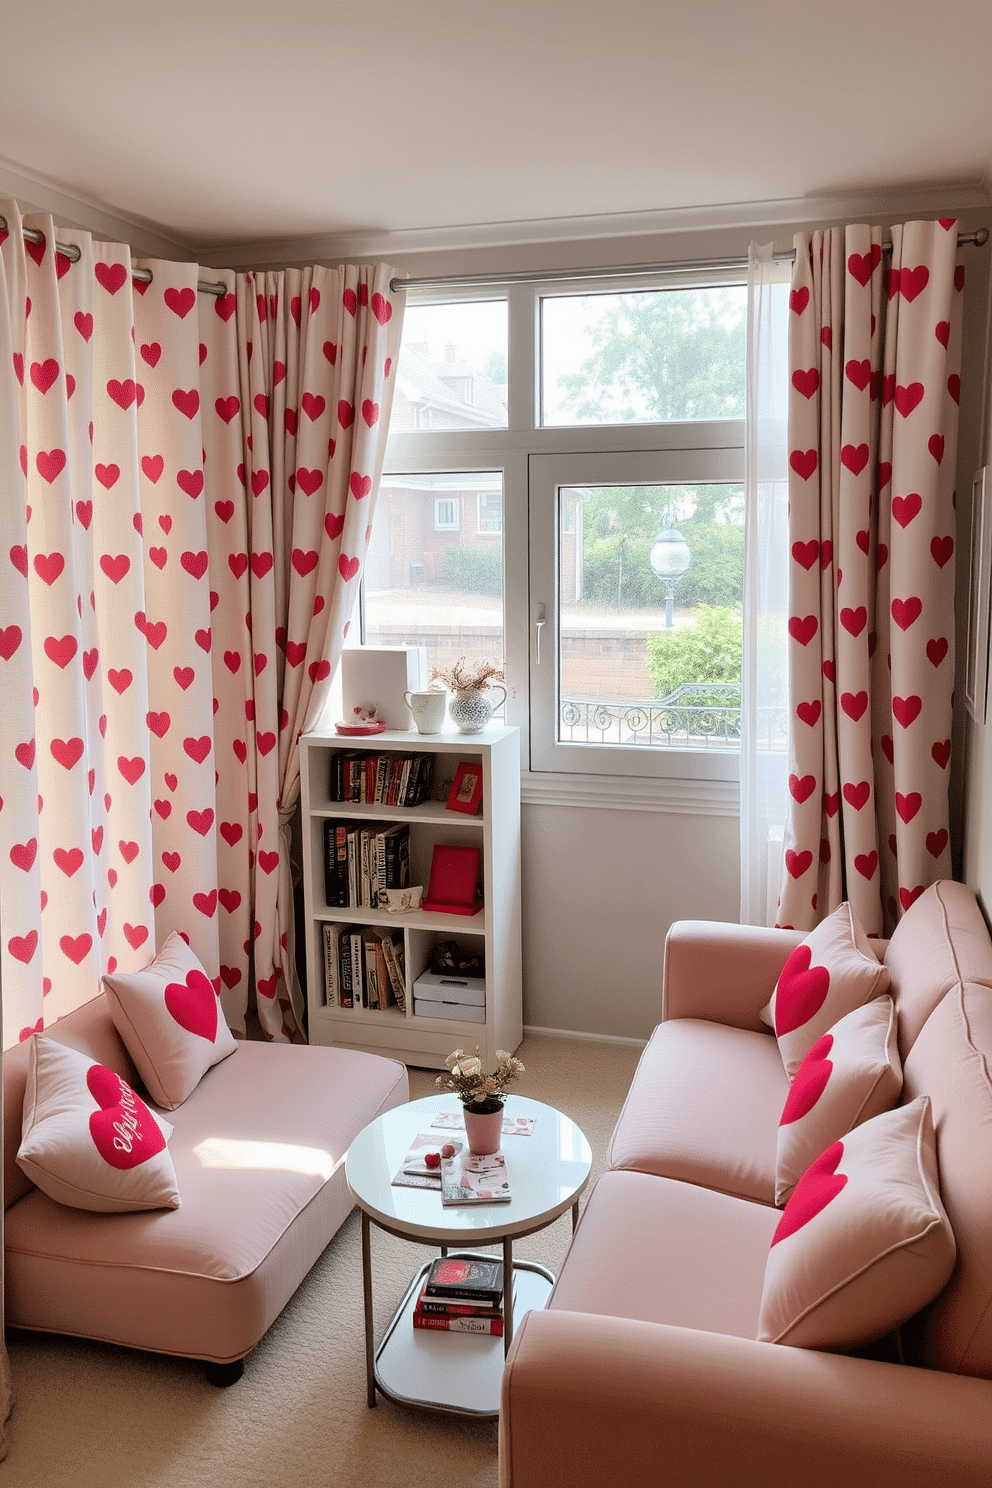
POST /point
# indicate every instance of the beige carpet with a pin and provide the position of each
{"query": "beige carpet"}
(89, 1414)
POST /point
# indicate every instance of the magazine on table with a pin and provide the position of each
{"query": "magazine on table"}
(474, 1178)
(415, 1171)
(513, 1126)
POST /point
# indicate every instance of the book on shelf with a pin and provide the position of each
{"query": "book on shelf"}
(392, 860)
(335, 864)
(450, 1322)
(460, 1278)
(392, 949)
(386, 997)
(332, 964)
(470, 1178)
(374, 779)
(356, 947)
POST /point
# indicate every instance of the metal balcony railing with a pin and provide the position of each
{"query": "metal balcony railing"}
(697, 715)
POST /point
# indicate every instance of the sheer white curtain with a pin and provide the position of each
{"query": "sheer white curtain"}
(764, 720)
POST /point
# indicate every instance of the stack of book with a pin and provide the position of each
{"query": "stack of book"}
(362, 968)
(381, 779)
(462, 1294)
(361, 863)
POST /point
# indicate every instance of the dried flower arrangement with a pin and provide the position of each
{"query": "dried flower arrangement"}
(464, 675)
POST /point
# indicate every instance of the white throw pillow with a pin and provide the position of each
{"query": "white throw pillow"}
(832, 972)
(87, 1139)
(864, 1242)
(171, 1021)
(850, 1075)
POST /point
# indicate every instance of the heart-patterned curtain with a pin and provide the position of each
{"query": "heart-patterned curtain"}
(161, 582)
(874, 359)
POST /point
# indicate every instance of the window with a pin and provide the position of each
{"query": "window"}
(446, 514)
(612, 481)
(430, 582)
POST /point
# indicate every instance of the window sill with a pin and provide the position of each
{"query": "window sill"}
(679, 797)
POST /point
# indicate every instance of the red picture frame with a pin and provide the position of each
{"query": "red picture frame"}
(466, 788)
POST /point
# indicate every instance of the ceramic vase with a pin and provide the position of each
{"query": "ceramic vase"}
(470, 708)
(484, 1130)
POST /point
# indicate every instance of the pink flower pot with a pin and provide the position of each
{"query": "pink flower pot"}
(484, 1132)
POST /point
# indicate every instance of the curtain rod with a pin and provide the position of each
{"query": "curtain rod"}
(978, 238)
(71, 252)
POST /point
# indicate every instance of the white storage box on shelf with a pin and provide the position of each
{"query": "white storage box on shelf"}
(445, 996)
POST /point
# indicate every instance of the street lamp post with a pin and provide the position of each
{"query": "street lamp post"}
(670, 558)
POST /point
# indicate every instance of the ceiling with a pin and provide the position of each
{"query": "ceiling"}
(218, 123)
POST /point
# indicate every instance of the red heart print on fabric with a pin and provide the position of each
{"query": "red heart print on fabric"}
(259, 481)
(381, 308)
(909, 896)
(905, 710)
(201, 821)
(122, 393)
(83, 322)
(346, 413)
(810, 1082)
(197, 749)
(229, 898)
(801, 788)
(195, 564)
(110, 276)
(187, 400)
(60, 650)
(151, 351)
(857, 794)
(313, 406)
(936, 842)
(190, 481)
(370, 410)
(305, 562)
(908, 397)
(309, 481)
(124, 1131)
(908, 805)
(819, 1185)
(859, 373)
(854, 704)
(804, 462)
(854, 457)
(51, 464)
(135, 935)
(906, 611)
(861, 265)
(48, 566)
(68, 859)
(801, 991)
(798, 300)
(193, 1005)
(19, 558)
(23, 947)
(333, 526)
(913, 282)
(115, 567)
(24, 753)
(23, 854)
(228, 408)
(854, 620)
(905, 508)
(44, 374)
(809, 713)
(67, 752)
(866, 864)
(10, 639)
(206, 903)
(802, 628)
(937, 650)
(76, 947)
(152, 465)
(348, 567)
(180, 301)
(941, 752)
(941, 549)
(806, 554)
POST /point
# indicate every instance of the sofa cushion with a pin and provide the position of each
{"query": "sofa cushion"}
(88, 1140)
(940, 941)
(864, 1242)
(703, 1107)
(951, 1061)
(832, 972)
(170, 1018)
(851, 1074)
(661, 1251)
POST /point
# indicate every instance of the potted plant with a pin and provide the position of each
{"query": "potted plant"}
(469, 706)
(481, 1095)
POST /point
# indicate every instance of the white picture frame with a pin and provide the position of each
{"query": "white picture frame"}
(976, 670)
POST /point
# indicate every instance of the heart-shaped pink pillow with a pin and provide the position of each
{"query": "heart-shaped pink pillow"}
(851, 1074)
(87, 1139)
(864, 1242)
(832, 972)
(170, 1019)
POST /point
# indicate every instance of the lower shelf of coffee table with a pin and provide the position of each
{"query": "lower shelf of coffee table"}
(453, 1372)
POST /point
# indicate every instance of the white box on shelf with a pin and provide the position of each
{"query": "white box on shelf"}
(460, 1012)
(380, 675)
(447, 987)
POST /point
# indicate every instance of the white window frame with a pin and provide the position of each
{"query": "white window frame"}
(661, 787)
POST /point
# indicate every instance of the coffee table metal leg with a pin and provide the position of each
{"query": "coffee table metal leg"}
(367, 1290)
(507, 1293)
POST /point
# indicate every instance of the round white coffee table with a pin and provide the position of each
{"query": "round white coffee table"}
(548, 1170)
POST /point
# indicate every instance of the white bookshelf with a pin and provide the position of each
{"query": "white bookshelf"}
(494, 931)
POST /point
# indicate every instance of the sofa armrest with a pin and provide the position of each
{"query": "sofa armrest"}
(590, 1399)
(723, 972)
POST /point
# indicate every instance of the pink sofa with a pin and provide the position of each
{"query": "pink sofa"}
(258, 1149)
(645, 1366)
